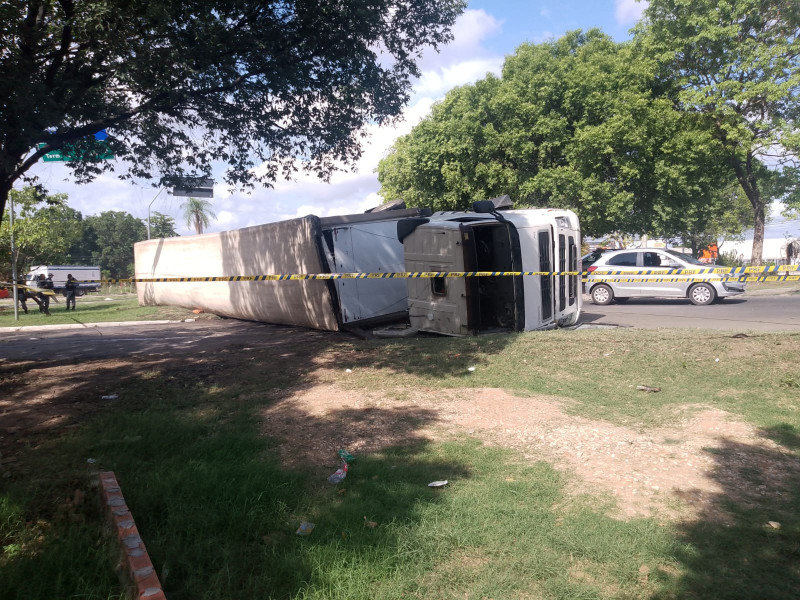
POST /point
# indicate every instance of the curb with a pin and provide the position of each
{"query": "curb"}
(24, 328)
(135, 561)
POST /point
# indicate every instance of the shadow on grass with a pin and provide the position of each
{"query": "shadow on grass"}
(219, 513)
(746, 544)
(217, 509)
(784, 434)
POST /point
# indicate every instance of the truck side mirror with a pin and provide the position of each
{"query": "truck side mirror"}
(406, 227)
(483, 206)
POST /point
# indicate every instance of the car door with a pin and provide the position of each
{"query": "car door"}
(628, 266)
(657, 284)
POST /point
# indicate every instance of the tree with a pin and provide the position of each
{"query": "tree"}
(197, 213)
(115, 233)
(738, 64)
(44, 230)
(580, 122)
(724, 218)
(282, 85)
(162, 226)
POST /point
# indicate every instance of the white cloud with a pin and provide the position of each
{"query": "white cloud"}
(225, 217)
(629, 12)
(470, 29)
(438, 82)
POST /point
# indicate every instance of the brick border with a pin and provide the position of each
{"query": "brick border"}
(135, 560)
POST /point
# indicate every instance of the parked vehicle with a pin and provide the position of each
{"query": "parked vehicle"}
(88, 277)
(632, 266)
(587, 260)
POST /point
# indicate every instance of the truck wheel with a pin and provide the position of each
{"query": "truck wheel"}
(602, 294)
(79, 292)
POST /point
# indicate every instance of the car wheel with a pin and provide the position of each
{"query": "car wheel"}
(702, 294)
(602, 294)
(621, 300)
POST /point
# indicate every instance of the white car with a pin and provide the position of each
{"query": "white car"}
(633, 265)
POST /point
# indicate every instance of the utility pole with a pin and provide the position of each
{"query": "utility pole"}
(148, 211)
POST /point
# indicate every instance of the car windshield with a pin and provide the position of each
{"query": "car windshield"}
(686, 258)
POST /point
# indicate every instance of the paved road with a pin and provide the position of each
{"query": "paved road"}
(741, 313)
(152, 340)
(763, 313)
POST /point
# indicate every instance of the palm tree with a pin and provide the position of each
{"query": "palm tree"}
(197, 213)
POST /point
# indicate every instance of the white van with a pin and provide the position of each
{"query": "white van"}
(88, 277)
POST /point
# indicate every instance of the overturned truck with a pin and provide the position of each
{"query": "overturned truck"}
(392, 241)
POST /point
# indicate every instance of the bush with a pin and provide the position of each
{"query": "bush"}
(731, 258)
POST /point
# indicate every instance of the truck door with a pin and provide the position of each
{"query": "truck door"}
(438, 304)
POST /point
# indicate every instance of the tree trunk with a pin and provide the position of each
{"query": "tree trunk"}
(747, 179)
(758, 234)
(6, 183)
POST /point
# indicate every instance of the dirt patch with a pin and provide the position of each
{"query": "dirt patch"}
(668, 470)
(684, 469)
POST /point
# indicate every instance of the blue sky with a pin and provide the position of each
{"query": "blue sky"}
(486, 33)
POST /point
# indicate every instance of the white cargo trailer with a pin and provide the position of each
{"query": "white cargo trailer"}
(88, 277)
(344, 244)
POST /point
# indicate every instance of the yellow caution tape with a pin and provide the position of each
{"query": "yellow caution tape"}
(677, 275)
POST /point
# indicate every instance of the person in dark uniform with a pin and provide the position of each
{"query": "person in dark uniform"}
(69, 290)
(48, 285)
(21, 296)
(43, 300)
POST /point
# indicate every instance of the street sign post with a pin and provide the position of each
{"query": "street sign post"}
(197, 188)
(67, 154)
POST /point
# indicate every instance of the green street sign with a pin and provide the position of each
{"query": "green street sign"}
(66, 155)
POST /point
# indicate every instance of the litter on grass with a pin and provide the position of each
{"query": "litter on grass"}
(339, 475)
(647, 388)
(305, 528)
(346, 456)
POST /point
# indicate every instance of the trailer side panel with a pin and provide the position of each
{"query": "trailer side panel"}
(273, 248)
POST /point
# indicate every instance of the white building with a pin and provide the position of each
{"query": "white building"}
(779, 233)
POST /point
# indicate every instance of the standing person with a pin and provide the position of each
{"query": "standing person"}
(69, 290)
(42, 299)
(21, 297)
(49, 285)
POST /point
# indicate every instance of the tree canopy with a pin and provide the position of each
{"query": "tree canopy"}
(198, 213)
(114, 234)
(44, 230)
(738, 67)
(278, 84)
(162, 226)
(581, 122)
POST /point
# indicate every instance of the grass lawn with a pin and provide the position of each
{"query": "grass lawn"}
(91, 308)
(218, 509)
